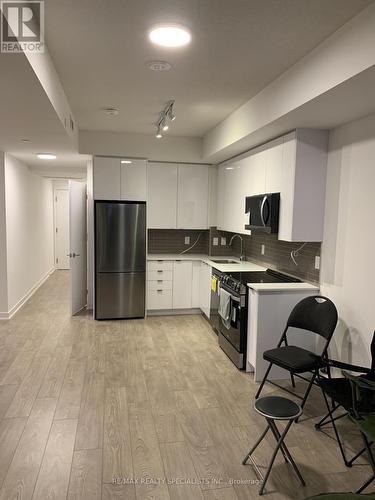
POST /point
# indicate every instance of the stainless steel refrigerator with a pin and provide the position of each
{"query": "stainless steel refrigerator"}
(120, 259)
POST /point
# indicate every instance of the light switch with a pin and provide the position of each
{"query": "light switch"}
(187, 240)
(215, 242)
(223, 241)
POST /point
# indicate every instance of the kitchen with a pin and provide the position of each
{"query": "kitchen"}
(186, 285)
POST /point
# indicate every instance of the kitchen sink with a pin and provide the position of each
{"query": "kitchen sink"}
(225, 261)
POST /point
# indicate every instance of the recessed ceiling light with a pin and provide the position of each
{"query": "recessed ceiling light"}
(126, 161)
(170, 35)
(47, 156)
(159, 65)
(112, 111)
(25, 140)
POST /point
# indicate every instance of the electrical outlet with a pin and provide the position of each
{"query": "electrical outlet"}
(215, 242)
(223, 241)
(263, 249)
(187, 240)
(317, 261)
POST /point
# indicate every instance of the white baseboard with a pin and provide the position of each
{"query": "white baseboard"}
(25, 298)
(172, 312)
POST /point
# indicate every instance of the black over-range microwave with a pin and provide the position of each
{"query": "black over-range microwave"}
(263, 210)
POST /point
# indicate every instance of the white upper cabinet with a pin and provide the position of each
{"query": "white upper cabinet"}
(107, 178)
(193, 197)
(275, 170)
(294, 166)
(134, 180)
(162, 195)
(114, 180)
(302, 198)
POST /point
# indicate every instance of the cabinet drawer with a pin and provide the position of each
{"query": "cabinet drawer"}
(159, 285)
(159, 299)
(155, 265)
(160, 274)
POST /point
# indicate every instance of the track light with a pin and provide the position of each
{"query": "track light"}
(166, 114)
(171, 115)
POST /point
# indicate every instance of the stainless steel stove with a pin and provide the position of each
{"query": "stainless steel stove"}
(232, 336)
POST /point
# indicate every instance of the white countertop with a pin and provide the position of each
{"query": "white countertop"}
(281, 287)
(225, 268)
(243, 266)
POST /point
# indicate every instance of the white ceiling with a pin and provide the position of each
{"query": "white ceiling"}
(26, 113)
(100, 49)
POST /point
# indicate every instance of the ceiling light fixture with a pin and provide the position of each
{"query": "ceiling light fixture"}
(170, 35)
(112, 111)
(126, 161)
(159, 65)
(25, 140)
(46, 156)
(166, 114)
(159, 135)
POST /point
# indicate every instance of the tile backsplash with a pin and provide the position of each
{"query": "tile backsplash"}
(173, 241)
(276, 255)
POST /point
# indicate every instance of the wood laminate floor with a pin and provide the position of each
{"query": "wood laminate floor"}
(143, 409)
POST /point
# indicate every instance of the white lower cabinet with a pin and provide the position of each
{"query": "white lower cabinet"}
(178, 285)
(159, 284)
(182, 284)
(195, 290)
(205, 288)
(159, 299)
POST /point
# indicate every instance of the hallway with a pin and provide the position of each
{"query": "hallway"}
(151, 405)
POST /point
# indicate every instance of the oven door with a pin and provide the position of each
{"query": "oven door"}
(233, 333)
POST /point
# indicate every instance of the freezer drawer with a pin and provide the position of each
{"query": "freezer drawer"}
(120, 295)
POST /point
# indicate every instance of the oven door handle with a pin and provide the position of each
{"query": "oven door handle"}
(235, 299)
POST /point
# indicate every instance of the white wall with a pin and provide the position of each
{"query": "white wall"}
(170, 148)
(90, 235)
(3, 250)
(29, 222)
(348, 271)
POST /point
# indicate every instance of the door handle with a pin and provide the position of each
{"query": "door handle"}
(75, 255)
(69, 255)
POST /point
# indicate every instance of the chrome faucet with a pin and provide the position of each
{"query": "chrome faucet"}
(242, 257)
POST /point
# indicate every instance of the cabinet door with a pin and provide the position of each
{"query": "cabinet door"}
(274, 166)
(182, 284)
(205, 288)
(287, 187)
(107, 177)
(193, 195)
(195, 289)
(134, 180)
(162, 195)
(220, 198)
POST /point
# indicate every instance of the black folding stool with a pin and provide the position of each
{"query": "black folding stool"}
(275, 408)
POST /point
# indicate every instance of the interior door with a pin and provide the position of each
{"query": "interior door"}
(78, 245)
(62, 228)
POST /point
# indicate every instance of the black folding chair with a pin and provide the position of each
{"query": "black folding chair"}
(339, 390)
(361, 388)
(315, 314)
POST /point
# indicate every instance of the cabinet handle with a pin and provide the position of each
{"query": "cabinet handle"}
(160, 271)
(160, 260)
(159, 291)
(159, 281)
